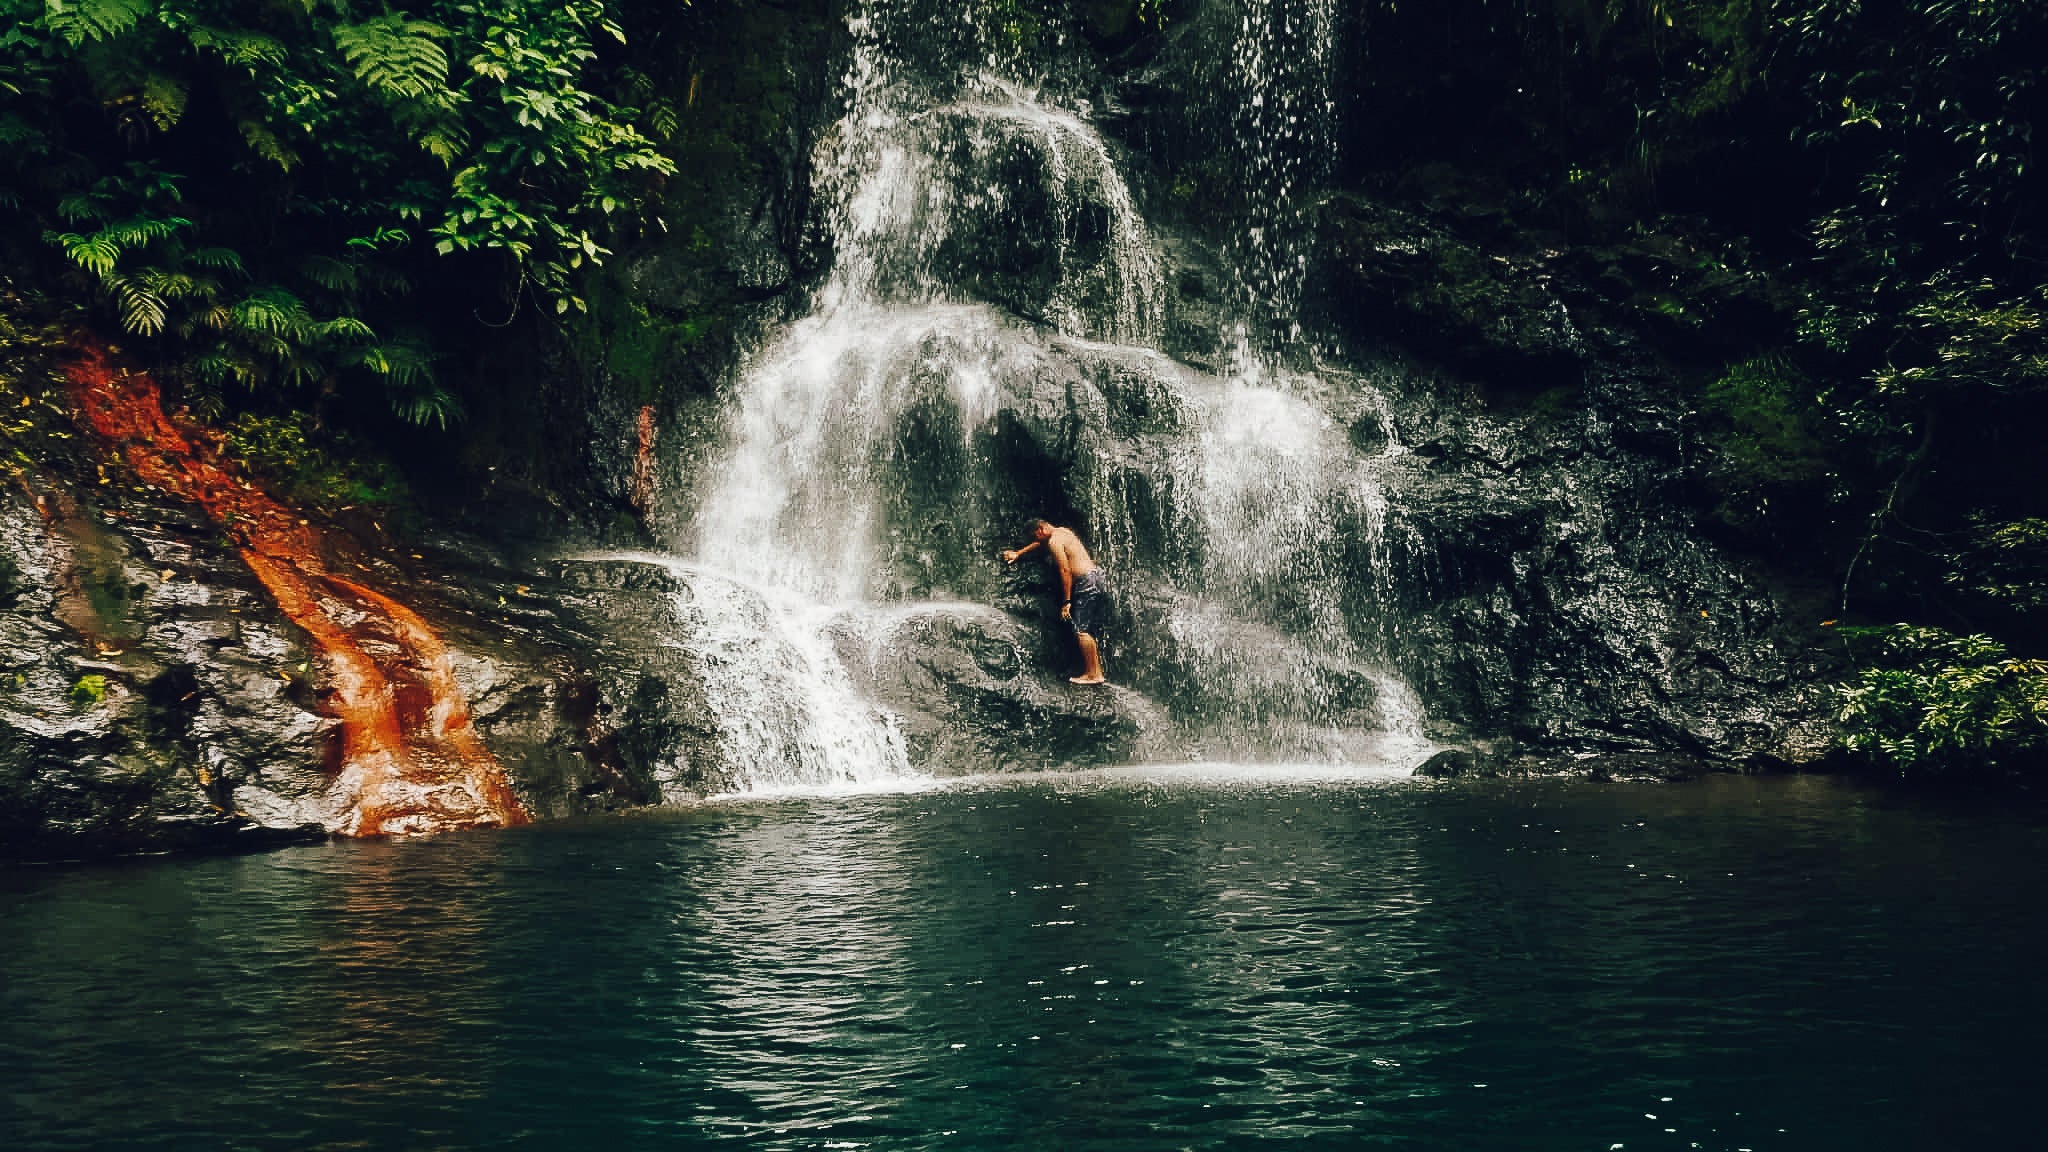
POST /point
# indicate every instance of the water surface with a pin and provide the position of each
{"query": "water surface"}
(1196, 958)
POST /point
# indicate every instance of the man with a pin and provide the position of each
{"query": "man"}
(1084, 598)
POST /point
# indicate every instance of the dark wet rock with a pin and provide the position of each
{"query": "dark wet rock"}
(1196, 289)
(572, 681)
(1428, 289)
(1110, 21)
(1808, 743)
(1609, 768)
(1556, 586)
(151, 696)
(1459, 764)
(1658, 768)
(974, 691)
(1040, 223)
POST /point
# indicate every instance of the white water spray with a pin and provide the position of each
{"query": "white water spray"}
(1241, 493)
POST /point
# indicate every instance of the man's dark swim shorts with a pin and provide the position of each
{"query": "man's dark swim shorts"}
(1091, 603)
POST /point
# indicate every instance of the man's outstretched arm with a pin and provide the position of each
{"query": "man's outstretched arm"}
(1016, 554)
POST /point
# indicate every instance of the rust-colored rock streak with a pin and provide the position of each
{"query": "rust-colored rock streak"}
(642, 495)
(411, 759)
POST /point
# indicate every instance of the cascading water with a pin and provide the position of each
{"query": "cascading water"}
(1283, 64)
(1295, 518)
(994, 305)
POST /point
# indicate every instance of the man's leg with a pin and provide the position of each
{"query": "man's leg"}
(1091, 661)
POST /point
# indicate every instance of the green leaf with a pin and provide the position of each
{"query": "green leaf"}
(397, 57)
(78, 21)
(142, 310)
(96, 254)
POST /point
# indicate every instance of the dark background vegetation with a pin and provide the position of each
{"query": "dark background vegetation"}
(1825, 215)
(334, 224)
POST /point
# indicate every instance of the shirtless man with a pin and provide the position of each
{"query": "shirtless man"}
(1084, 598)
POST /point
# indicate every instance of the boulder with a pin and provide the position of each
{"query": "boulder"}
(976, 691)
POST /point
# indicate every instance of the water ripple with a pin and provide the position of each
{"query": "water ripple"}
(1137, 960)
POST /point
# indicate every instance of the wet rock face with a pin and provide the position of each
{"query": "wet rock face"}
(152, 696)
(1555, 584)
(1419, 283)
(651, 736)
(1493, 764)
(974, 690)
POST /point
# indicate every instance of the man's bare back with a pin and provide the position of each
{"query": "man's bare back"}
(1071, 555)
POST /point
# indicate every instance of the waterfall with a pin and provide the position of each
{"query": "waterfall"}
(1283, 62)
(996, 295)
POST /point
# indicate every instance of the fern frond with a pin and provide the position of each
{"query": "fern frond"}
(297, 370)
(224, 368)
(435, 127)
(79, 206)
(238, 46)
(430, 405)
(405, 367)
(78, 21)
(143, 230)
(167, 285)
(23, 136)
(662, 119)
(144, 181)
(635, 84)
(263, 142)
(95, 253)
(225, 259)
(274, 313)
(329, 273)
(164, 99)
(142, 311)
(397, 57)
(343, 329)
(275, 347)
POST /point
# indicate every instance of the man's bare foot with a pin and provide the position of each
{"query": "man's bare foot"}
(1087, 680)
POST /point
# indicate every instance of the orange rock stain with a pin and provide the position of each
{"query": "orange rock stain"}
(642, 495)
(411, 760)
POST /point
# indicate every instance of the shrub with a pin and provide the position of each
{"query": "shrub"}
(312, 468)
(1935, 703)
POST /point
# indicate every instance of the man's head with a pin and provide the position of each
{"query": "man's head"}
(1041, 530)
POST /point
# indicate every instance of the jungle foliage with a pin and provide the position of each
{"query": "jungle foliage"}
(292, 193)
(1931, 702)
(1868, 344)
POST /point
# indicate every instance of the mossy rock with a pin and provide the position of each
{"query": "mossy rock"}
(1417, 282)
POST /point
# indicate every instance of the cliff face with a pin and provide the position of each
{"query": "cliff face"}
(1543, 573)
(155, 696)
(1565, 582)
(1559, 570)
(159, 697)
(194, 665)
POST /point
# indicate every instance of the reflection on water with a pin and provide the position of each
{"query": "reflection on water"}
(1189, 958)
(398, 969)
